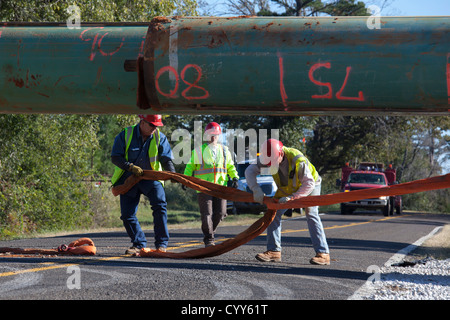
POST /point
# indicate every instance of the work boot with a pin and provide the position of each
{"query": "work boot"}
(321, 259)
(133, 250)
(161, 249)
(269, 256)
(210, 244)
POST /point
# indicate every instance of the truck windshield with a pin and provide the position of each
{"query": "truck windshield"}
(366, 178)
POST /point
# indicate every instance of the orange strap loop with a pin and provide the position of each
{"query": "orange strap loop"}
(82, 246)
(434, 183)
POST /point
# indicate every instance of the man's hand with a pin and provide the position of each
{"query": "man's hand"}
(258, 195)
(137, 171)
(284, 199)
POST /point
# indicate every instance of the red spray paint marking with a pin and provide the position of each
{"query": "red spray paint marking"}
(108, 53)
(92, 56)
(172, 93)
(193, 85)
(98, 44)
(184, 93)
(339, 96)
(328, 95)
(282, 89)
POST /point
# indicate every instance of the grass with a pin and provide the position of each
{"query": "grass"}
(437, 247)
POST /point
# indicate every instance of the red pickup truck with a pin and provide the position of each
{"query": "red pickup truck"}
(369, 175)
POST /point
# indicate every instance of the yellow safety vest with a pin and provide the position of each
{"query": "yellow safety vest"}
(152, 153)
(204, 166)
(295, 158)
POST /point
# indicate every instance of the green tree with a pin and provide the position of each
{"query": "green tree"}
(93, 10)
(414, 145)
(44, 160)
(298, 7)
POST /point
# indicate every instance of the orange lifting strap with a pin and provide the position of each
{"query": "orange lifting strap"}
(438, 182)
(80, 247)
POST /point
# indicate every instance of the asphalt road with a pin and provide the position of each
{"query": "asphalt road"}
(356, 242)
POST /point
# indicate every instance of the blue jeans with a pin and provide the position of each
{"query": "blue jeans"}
(315, 227)
(129, 205)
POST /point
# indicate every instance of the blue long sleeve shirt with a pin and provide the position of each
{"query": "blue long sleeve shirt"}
(138, 155)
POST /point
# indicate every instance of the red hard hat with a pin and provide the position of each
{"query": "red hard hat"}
(154, 119)
(270, 150)
(213, 128)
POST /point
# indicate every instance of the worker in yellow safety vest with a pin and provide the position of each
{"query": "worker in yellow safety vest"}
(295, 177)
(138, 148)
(212, 162)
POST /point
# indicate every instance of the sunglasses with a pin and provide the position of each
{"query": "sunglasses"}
(151, 125)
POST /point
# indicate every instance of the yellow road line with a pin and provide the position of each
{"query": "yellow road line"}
(361, 223)
(345, 225)
(12, 273)
(55, 265)
(190, 243)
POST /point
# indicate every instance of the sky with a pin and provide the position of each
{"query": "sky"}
(418, 8)
(395, 7)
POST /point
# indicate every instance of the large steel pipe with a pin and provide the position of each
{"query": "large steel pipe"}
(229, 65)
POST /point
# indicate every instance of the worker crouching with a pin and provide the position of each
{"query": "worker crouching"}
(295, 177)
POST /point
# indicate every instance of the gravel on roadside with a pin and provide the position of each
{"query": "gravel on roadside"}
(420, 272)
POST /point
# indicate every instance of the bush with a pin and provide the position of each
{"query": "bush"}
(179, 199)
(43, 161)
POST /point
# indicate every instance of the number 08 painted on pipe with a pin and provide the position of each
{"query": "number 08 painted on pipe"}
(173, 93)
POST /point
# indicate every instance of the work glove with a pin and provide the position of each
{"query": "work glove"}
(137, 171)
(234, 183)
(284, 199)
(258, 195)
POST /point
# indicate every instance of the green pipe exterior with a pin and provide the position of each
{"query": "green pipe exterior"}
(229, 65)
(49, 68)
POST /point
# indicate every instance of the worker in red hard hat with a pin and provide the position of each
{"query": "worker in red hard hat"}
(137, 148)
(295, 177)
(213, 128)
(212, 162)
(154, 119)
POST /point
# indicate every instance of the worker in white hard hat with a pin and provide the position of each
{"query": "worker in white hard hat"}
(295, 177)
(212, 162)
